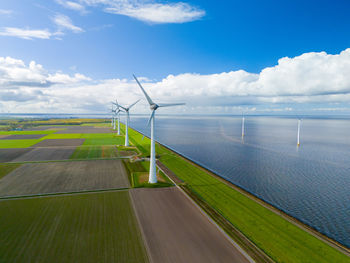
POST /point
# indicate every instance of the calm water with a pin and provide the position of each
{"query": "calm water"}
(311, 183)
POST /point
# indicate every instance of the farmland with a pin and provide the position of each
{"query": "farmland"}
(46, 154)
(99, 227)
(7, 168)
(95, 151)
(60, 177)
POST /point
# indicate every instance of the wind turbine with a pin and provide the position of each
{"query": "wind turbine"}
(243, 126)
(112, 119)
(298, 136)
(153, 106)
(117, 113)
(126, 109)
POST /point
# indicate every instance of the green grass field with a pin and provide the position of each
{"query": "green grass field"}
(18, 143)
(99, 227)
(104, 141)
(94, 151)
(280, 239)
(7, 168)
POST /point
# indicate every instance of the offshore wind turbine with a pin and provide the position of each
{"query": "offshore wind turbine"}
(298, 135)
(126, 109)
(153, 106)
(243, 119)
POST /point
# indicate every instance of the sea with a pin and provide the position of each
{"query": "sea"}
(310, 182)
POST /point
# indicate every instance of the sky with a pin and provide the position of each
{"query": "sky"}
(226, 57)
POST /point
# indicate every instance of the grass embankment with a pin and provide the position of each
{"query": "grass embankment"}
(277, 237)
(98, 227)
(7, 168)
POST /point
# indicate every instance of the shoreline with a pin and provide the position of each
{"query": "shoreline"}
(295, 221)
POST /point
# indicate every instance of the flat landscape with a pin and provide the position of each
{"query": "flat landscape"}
(99, 227)
(23, 136)
(7, 155)
(176, 231)
(68, 197)
(46, 154)
(60, 177)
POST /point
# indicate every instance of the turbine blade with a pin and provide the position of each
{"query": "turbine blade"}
(150, 118)
(133, 104)
(144, 92)
(170, 104)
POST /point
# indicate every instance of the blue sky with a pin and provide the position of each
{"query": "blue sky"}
(108, 40)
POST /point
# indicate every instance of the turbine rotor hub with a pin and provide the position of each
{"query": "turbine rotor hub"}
(154, 106)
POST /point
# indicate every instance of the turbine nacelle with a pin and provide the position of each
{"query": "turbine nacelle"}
(154, 106)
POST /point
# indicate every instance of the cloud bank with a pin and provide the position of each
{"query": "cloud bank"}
(314, 78)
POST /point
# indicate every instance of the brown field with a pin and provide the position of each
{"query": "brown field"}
(23, 136)
(46, 154)
(7, 155)
(84, 129)
(59, 142)
(2, 136)
(60, 177)
(176, 231)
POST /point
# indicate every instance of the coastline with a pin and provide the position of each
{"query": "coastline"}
(305, 227)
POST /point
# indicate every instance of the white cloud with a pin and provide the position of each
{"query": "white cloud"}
(158, 13)
(14, 73)
(148, 10)
(319, 80)
(25, 33)
(72, 5)
(64, 22)
(6, 12)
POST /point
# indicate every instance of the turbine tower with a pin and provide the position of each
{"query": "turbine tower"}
(126, 109)
(298, 136)
(243, 126)
(117, 114)
(153, 106)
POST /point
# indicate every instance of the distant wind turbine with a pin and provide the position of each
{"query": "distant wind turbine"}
(298, 136)
(126, 109)
(117, 111)
(153, 106)
(243, 126)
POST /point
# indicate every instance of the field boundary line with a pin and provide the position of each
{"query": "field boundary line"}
(16, 197)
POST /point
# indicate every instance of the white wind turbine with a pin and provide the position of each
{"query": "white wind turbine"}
(243, 130)
(117, 111)
(153, 106)
(126, 109)
(112, 119)
(298, 135)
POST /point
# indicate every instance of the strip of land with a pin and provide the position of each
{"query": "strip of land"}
(176, 231)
